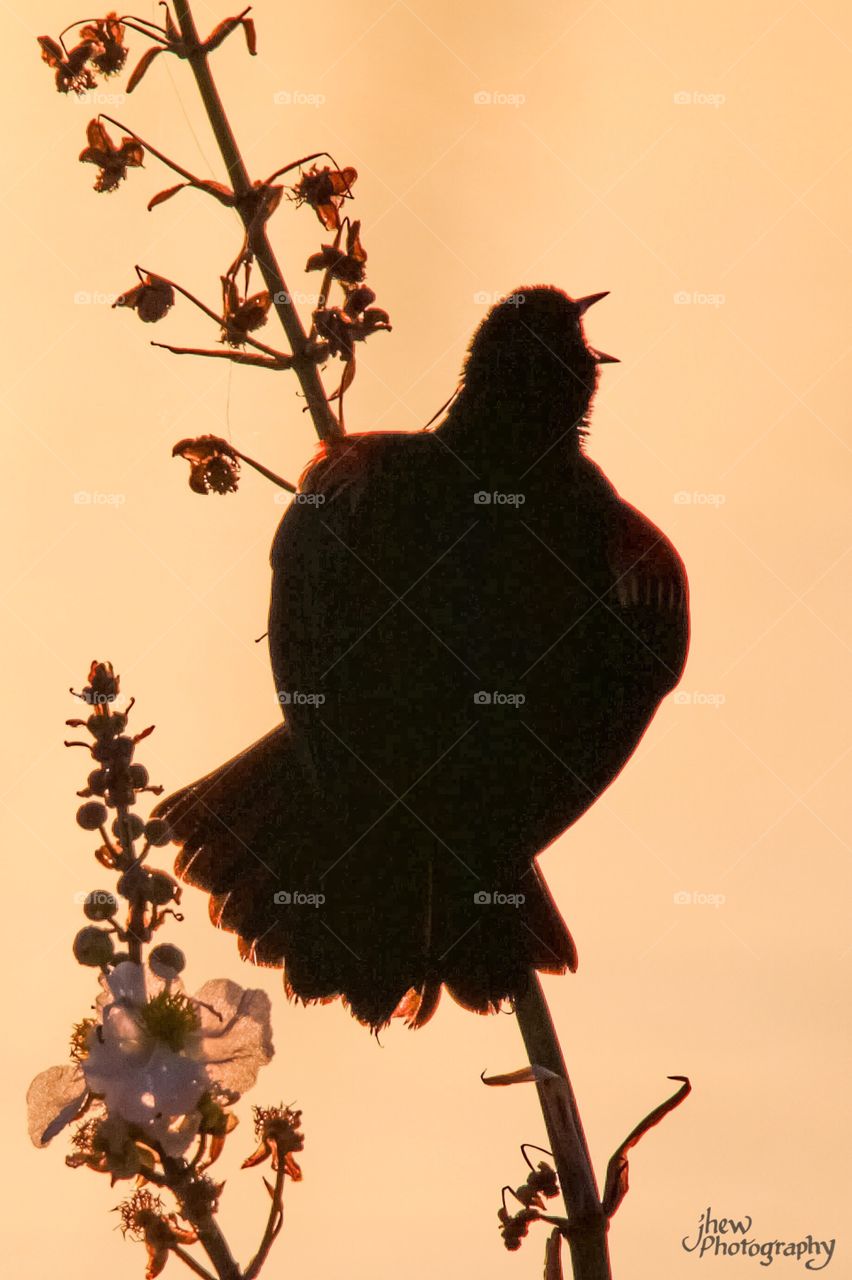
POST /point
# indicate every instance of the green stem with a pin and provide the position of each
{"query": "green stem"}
(327, 426)
(587, 1238)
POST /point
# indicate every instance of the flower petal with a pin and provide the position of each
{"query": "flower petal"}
(54, 1099)
(235, 1035)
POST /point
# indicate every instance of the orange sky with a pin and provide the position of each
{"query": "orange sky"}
(695, 161)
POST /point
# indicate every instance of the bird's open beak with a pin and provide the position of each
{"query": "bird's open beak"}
(590, 300)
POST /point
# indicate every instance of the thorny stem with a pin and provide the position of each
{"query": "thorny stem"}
(587, 1238)
(178, 1176)
(327, 426)
(273, 1225)
(190, 1262)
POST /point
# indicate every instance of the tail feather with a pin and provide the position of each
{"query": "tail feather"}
(383, 922)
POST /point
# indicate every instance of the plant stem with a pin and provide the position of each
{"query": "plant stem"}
(327, 426)
(588, 1224)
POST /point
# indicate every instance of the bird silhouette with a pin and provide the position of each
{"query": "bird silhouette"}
(469, 632)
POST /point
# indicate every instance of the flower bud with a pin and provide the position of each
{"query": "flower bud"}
(97, 781)
(133, 882)
(166, 960)
(138, 776)
(91, 816)
(160, 888)
(93, 947)
(128, 828)
(100, 905)
(158, 832)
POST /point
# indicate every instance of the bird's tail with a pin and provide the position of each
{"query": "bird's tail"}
(352, 919)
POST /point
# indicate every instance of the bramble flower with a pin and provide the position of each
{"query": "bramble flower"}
(112, 161)
(71, 69)
(108, 34)
(213, 465)
(160, 1061)
(347, 267)
(325, 190)
(151, 299)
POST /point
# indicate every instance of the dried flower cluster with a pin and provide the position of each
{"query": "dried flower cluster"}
(336, 326)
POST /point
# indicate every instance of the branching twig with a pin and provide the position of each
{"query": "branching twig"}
(273, 1225)
(326, 424)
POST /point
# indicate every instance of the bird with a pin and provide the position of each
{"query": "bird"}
(470, 631)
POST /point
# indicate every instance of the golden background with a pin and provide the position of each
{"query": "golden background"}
(659, 150)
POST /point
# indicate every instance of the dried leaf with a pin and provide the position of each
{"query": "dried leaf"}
(617, 1183)
(225, 28)
(162, 196)
(142, 66)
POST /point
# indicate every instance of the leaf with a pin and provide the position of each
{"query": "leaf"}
(251, 36)
(617, 1183)
(142, 66)
(162, 196)
(524, 1075)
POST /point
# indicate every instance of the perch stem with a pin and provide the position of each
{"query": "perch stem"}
(587, 1232)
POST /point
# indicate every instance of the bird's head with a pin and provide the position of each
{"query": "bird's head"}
(530, 354)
